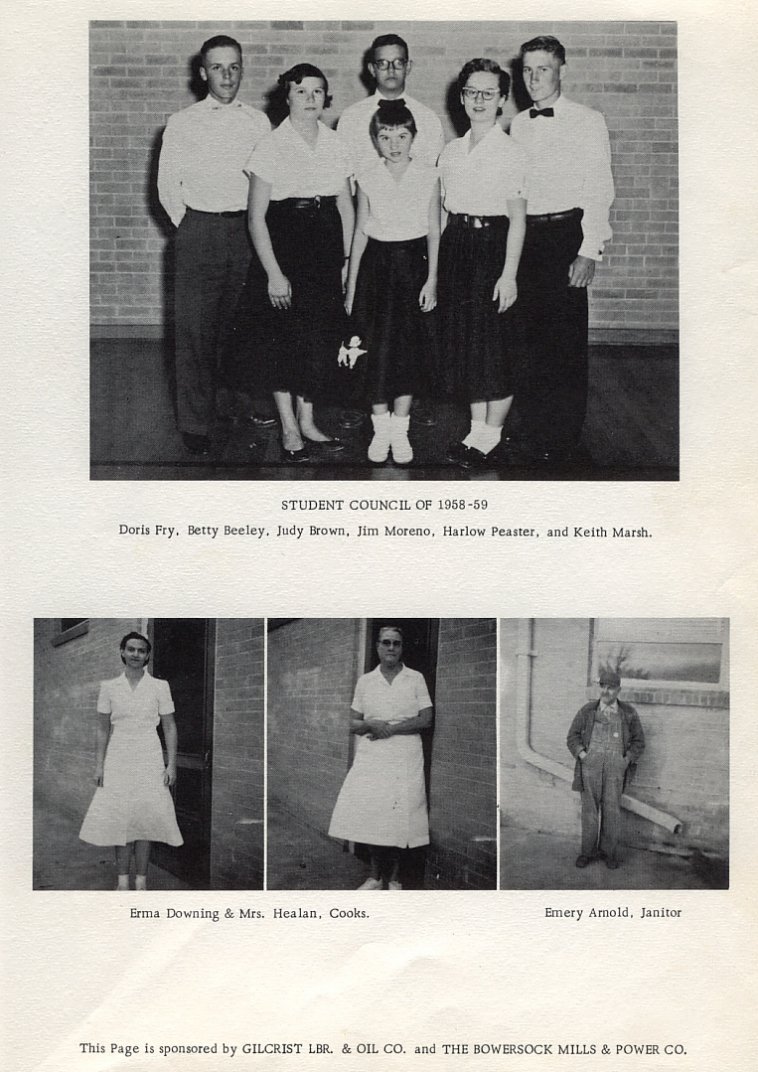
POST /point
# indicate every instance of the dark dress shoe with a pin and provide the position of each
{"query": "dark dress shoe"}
(582, 861)
(351, 418)
(325, 446)
(295, 457)
(611, 863)
(477, 459)
(196, 444)
(456, 451)
(258, 420)
(424, 417)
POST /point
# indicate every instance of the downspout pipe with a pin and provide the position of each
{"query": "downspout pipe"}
(525, 656)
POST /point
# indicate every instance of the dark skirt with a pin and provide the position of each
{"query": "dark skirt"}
(475, 340)
(387, 318)
(295, 349)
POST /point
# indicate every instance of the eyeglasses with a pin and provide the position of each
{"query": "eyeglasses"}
(486, 94)
(396, 65)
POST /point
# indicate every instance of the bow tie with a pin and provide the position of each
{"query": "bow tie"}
(547, 112)
(399, 101)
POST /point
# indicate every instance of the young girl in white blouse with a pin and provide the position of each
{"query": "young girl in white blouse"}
(392, 279)
(484, 194)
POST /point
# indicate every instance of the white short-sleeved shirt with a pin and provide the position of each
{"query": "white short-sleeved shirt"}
(398, 209)
(482, 181)
(354, 122)
(144, 704)
(293, 169)
(376, 698)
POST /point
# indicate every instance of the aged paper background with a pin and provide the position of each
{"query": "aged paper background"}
(444, 968)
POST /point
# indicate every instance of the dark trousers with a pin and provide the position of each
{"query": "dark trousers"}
(603, 780)
(551, 372)
(212, 257)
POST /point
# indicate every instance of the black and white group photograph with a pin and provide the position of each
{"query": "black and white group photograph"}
(614, 753)
(374, 250)
(382, 758)
(148, 754)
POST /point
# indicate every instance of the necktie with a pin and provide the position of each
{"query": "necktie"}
(547, 112)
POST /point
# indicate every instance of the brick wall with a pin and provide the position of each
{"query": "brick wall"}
(237, 811)
(684, 770)
(66, 684)
(141, 74)
(313, 665)
(463, 792)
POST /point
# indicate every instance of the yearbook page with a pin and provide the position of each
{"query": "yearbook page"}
(380, 398)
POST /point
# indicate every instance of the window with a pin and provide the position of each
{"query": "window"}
(70, 628)
(662, 653)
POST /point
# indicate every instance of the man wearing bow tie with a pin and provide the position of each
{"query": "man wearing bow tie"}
(389, 66)
(204, 190)
(569, 199)
(606, 740)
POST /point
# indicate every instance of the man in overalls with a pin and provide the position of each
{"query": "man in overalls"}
(606, 740)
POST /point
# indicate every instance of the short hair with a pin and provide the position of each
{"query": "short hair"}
(391, 114)
(219, 41)
(384, 40)
(491, 67)
(545, 43)
(295, 75)
(134, 636)
(394, 628)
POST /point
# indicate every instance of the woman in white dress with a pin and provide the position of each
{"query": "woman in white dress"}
(382, 803)
(132, 805)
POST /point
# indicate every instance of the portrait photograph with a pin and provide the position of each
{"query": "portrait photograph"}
(148, 754)
(381, 754)
(614, 753)
(369, 250)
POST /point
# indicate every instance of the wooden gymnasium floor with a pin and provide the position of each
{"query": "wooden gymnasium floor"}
(631, 431)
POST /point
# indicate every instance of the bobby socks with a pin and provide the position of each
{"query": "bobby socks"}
(483, 437)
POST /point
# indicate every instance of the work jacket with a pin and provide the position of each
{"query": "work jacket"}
(580, 735)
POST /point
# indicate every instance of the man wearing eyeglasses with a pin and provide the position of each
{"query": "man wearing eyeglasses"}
(389, 67)
(606, 740)
(570, 196)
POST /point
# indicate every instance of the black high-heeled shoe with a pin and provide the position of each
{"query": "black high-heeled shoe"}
(294, 457)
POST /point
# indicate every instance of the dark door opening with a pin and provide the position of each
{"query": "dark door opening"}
(420, 640)
(183, 654)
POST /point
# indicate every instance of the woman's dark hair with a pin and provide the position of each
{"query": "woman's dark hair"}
(134, 636)
(389, 114)
(294, 76)
(491, 67)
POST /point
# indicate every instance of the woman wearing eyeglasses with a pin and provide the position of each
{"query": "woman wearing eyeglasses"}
(484, 192)
(382, 803)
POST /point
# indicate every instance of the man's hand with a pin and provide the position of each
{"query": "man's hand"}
(582, 272)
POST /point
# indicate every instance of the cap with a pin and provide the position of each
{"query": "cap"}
(610, 678)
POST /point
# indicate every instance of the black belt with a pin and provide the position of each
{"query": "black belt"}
(463, 219)
(308, 204)
(555, 217)
(233, 215)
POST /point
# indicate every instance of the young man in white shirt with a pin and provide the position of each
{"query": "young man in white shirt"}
(570, 192)
(204, 190)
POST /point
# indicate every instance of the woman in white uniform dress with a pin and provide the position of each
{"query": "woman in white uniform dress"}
(132, 805)
(382, 802)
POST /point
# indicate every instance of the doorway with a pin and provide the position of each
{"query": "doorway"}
(183, 654)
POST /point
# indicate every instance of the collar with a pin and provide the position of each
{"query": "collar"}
(376, 96)
(215, 106)
(123, 678)
(493, 132)
(378, 671)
